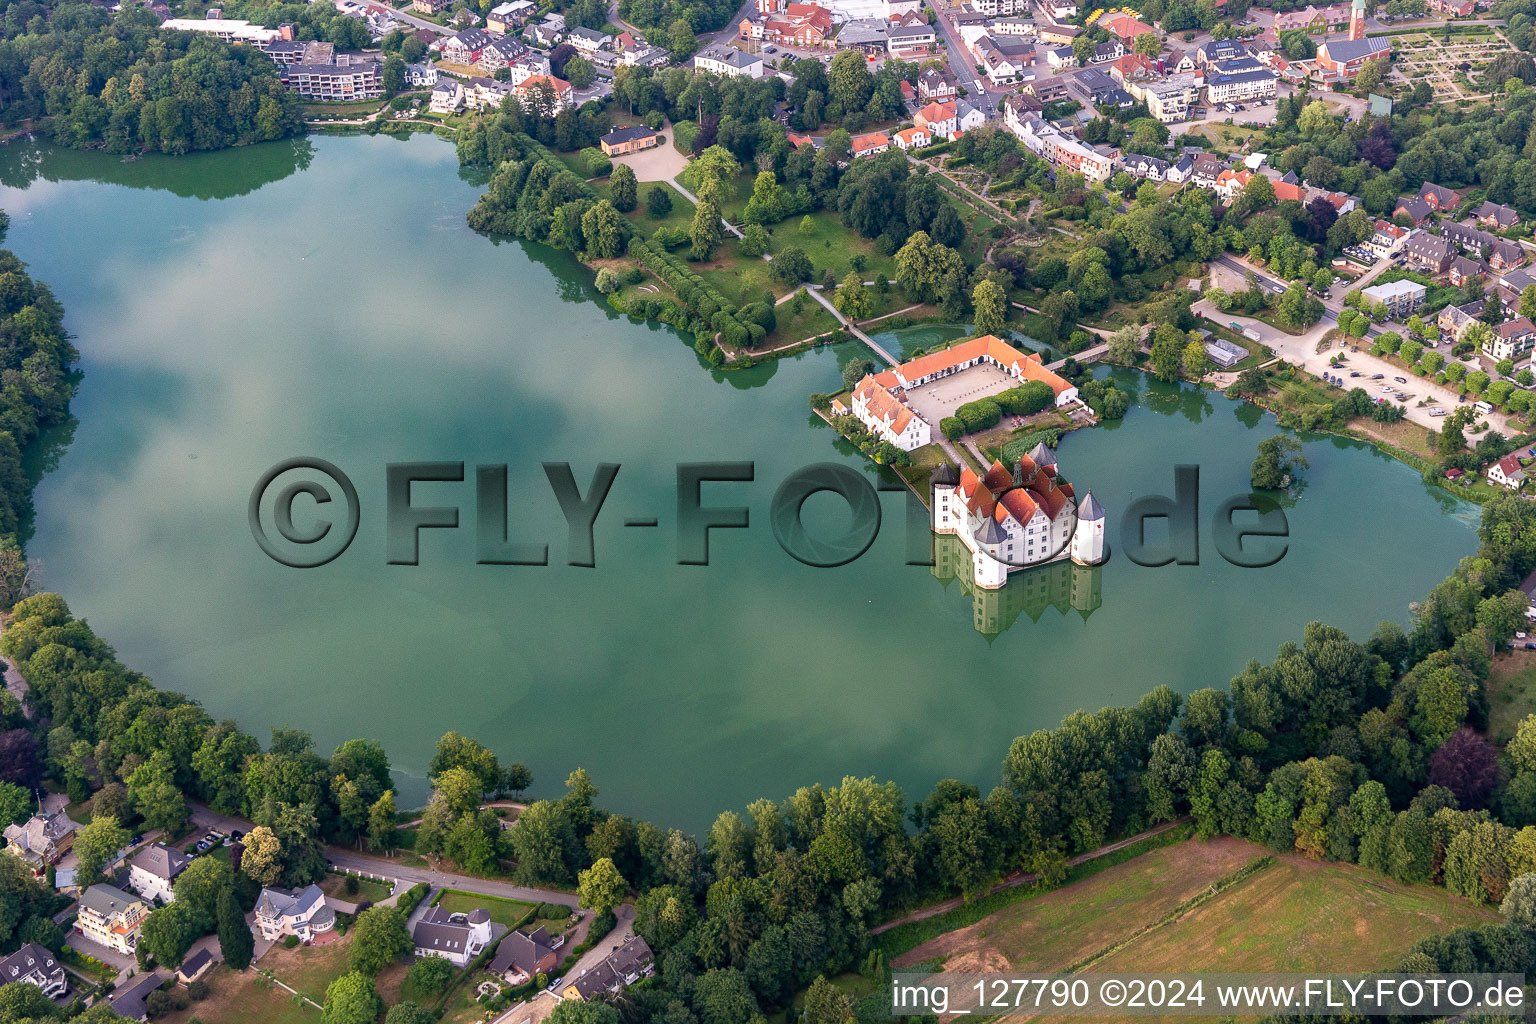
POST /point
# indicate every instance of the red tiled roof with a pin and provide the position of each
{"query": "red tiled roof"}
(936, 112)
(883, 405)
(1004, 354)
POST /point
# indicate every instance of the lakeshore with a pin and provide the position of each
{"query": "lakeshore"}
(381, 366)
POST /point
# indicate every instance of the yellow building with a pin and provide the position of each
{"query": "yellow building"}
(111, 917)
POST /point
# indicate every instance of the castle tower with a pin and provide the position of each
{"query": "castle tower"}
(1357, 19)
(1088, 539)
(942, 509)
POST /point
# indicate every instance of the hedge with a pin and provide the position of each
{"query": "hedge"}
(979, 415)
(1029, 397)
(697, 296)
(413, 897)
(951, 427)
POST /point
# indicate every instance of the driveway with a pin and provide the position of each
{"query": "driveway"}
(659, 163)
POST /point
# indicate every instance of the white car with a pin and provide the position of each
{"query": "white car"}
(1519, 636)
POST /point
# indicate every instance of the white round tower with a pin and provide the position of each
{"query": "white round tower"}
(1088, 538)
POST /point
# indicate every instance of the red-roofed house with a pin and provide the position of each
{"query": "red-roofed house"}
(870, 143)
(880, 400)
(915, 137)
(1124, 26)
(1507, 473)
(938, 118)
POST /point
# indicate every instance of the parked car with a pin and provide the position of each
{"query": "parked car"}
(1401, 380)
(1354, 373)
(1377, 376)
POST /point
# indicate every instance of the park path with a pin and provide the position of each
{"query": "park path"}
(695, 200)
(853, 328)
(1019, 878)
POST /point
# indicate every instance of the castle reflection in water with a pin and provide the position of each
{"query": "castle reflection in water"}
(1062, 585)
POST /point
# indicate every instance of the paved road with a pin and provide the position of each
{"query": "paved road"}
(410, 19)
(446, 879)
(962, 66)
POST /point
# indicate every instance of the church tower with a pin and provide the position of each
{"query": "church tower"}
(1357, 19)
(1088, 539)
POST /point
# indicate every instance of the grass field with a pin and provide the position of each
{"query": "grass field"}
(1136, 918)
(1313, 914)
(1063, 926)
(245, 999)
(248, 998)
(1511, 692)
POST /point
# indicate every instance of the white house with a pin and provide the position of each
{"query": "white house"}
(421, 74)
(457, 938)
(447, 96)
(301, 912)
(728, 61)
(153, 871)
(1507, 473)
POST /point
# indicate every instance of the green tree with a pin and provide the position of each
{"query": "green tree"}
(624, 189)
(153, 793)
(852, 299)
(990, 302)
(379, 938)
(1167, 352)
(392, 78)
(262, 861)
(604, 230)
(602, 887)
(167, 933)
(199, 886)
(658, 201)
(350, 999)
(825, 1003)
(410, 1013)
(705, 232)
(754, 241)
(791, 266)
(96, 843)
(381, 822)
(576, 1011)
(1196, 363)
(580, 72)
(236, 944)
(1278, 460)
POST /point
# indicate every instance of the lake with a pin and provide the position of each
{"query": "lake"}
(325, 298)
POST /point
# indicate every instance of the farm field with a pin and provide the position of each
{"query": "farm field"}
(1067, 924)
(1314, 913)
(1127, 919)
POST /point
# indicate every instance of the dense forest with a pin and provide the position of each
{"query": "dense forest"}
(36, 382)
(123, 84)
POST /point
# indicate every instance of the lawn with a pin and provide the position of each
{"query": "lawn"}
(511, 913)
(1511, 692)
(367, 889)
(245, 998)
(645, 225)
(813, 319)
(249, 998)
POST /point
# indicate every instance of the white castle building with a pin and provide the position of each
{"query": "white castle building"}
(882, 401)
(1011, 520)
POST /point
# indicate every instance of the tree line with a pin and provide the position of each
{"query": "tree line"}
(123, 84)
